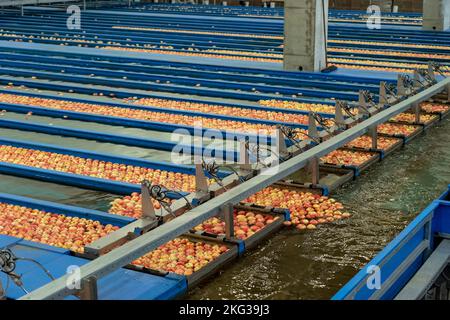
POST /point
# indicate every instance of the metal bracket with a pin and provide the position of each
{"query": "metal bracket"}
(281, 142)
(383, 95)
(148, 210)
(401, 89)
(244, 157)
(339, 115)
(201, 182)
(416, 79)
(363, 104)
(312, 127)
(431, 73)
(89, 290)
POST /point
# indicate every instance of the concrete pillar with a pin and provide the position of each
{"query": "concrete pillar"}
(304, 34)
(436, 15)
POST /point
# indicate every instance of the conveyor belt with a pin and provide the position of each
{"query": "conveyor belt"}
(120, 285)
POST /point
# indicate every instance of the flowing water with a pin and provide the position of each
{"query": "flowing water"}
(314, 265)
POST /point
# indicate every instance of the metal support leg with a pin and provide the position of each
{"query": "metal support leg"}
(89, 289)
(315, 174)
(383, 95)
(228, 212)
(201, 183)
(21, 11)
(416, 110)
(2, 292)
(374, 135)
(363, 105)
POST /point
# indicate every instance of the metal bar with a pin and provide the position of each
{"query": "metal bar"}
(140, 246)
(401, 268)
(228, 212)
(315, 171)
(416, 288)
(89, 290)
(416, 109)
(374, 135)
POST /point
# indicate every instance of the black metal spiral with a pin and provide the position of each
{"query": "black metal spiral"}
(348, 110)
(390, 88)
(159, 193)
(408, 82)
(322, 122)
(8, 264)
(291, 134)
(213, 169)
(7, 261)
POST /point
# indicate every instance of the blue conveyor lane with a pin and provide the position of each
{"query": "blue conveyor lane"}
(83, 181)
(121, 284)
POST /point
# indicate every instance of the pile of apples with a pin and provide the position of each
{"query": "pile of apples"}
(257, 36)
(96, 168)
(222, 110)
(373, 65)
(30, 38)
(284, 104)
(246, 224)
(131, 206)
(346, 157)
(369, 68)
(365, 142)
(245, 53)
(212, 123)
(396, 129)
(411, 118)
(181, 256)
(390, 44)
(57, 230)
(429, 56)
(307, 210)
(434, 108)
(189, 53)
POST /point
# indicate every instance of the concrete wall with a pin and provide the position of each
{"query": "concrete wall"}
(436, 15)
(305, 35)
